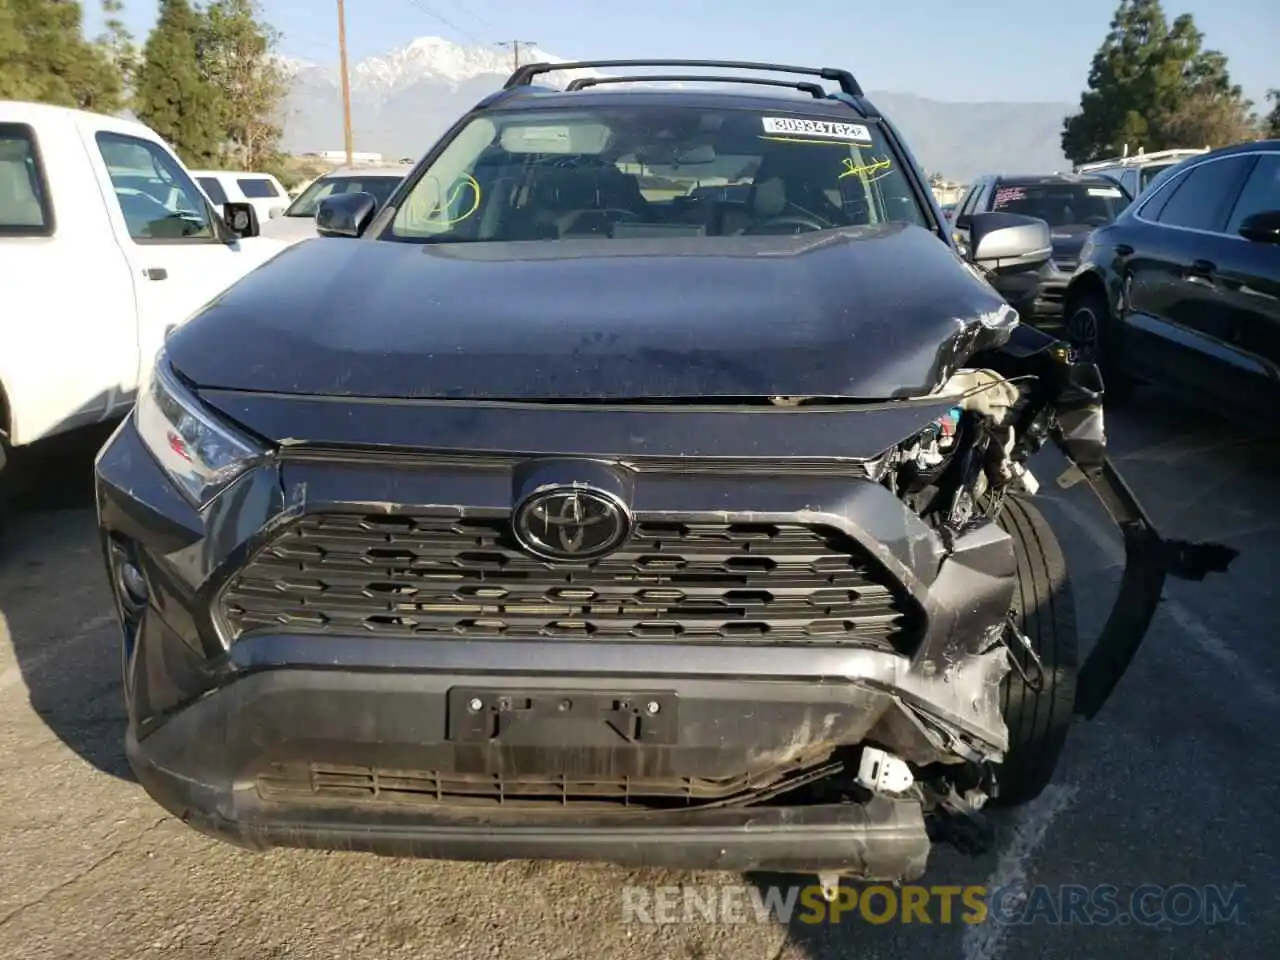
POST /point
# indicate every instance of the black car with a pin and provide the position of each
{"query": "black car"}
(547, 518)
(1183, 290)
(1073, 205)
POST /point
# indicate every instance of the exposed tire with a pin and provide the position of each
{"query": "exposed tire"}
(1044, 608)
(1090, 328)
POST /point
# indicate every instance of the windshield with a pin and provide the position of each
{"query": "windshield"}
(1062, 204)
(654, 171)
(309, 200)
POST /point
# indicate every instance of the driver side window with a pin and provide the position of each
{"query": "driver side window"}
(157, 199)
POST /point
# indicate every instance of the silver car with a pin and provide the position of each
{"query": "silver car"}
(298, 221)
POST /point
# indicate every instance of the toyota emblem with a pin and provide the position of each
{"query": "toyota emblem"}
(571, 523)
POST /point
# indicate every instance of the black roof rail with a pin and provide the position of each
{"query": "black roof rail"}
(814, 89)
(523, 76)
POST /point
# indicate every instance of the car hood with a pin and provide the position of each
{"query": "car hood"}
(870, 313)
(290, 229)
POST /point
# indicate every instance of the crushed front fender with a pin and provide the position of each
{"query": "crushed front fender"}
(1066, 407)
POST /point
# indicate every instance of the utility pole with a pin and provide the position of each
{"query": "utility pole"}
(346, 85)
(515, 50)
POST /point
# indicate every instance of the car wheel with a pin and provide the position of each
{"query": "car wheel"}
(1089, 329)
(1038, 713)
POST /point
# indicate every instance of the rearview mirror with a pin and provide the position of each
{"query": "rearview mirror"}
(1262, 227)
(241, 219)
(345, 215)
(1008, 242)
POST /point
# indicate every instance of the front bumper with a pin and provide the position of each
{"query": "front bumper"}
(356, 738)
(190, 767)
(298, 722)
(1037, 296)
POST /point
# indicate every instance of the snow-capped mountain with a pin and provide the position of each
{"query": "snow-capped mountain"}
(402, 101)
(434, 59)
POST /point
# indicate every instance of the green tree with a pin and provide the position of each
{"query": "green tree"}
(117, 43)
(236, 49)
(1271, 122)
(45, 57)
(1154, 85)
(1204, 108)
(172, 94)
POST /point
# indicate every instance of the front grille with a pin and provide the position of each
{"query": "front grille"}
(445, 574)
(1053, 293)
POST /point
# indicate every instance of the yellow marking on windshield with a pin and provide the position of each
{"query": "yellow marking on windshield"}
(465, 182)
(868, 172)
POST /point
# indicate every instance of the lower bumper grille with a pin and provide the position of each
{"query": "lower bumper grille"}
(366, 785)
(446, 574)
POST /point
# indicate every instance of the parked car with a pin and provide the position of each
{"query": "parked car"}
(106, 243)
(1072, 205)
(1184, 288)
(553, 518)
(262, 191)
(298, 221)
(1135, 172)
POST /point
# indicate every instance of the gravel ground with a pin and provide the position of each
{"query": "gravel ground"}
(1174, 783)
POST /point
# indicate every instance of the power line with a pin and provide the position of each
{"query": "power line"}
(514, 46)
(446, 21)
(485, 21)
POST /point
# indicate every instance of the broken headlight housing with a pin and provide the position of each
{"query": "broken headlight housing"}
(201, 455)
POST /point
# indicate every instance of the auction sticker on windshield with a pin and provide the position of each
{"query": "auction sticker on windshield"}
(790, 126)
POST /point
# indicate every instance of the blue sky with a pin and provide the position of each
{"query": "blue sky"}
(982, 50)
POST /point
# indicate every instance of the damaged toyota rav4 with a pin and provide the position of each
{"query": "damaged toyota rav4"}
(646, 481)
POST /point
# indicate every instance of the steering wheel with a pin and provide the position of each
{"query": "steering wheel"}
(807, 221)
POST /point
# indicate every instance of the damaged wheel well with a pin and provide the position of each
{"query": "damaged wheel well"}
(1085, 285)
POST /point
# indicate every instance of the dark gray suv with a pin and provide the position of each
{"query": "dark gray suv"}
(565, 510)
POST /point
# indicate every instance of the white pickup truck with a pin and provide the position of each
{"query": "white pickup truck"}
(105, 244)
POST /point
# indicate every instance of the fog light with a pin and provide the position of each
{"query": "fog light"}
(132, 583)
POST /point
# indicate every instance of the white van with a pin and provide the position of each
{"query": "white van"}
(264, 192)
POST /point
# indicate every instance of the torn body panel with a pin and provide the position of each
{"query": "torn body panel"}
(1064, 403)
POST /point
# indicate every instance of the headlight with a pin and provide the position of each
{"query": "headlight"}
(199, 454)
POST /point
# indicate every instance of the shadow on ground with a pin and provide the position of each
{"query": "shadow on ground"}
(54, 600)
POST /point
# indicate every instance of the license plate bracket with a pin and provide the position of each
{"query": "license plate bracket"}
(480, 715)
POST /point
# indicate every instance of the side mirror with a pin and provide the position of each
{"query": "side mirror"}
(241, 218)
(1008, 242)
(345, 215)
(1262, 227)
(274, 212)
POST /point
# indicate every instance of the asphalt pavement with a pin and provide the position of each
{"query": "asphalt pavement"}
(1177, 782)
